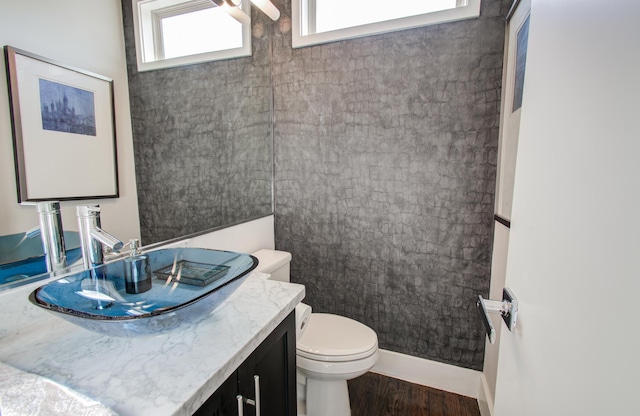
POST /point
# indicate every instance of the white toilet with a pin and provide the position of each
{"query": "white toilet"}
(330, 350)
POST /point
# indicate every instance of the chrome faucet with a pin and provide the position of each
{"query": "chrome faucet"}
(92, 237)
(52, 235)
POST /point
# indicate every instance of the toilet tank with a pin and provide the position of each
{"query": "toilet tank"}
(274, 262)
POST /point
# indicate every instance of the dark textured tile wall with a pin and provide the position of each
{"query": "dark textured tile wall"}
(202, 140)
(385, 165)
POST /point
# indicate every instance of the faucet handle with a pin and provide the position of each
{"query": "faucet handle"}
(48, 207)
(134, 243)
(87, 210)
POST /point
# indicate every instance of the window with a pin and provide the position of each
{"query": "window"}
(321, 21)
(180, 32)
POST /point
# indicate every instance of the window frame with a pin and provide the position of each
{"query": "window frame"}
(148, 33)
(303, 13)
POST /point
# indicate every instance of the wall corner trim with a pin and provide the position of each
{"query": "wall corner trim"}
(485, 401)
(429, 373)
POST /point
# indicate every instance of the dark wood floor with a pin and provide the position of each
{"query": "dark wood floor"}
(376, 395)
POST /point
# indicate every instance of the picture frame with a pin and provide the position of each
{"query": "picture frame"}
(510, 113)
(63, 125)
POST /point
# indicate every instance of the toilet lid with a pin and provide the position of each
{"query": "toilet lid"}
(336, 338)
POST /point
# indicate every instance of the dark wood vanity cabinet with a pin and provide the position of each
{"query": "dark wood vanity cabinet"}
(273, 363)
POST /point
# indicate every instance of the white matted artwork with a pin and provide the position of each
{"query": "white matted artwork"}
(63, 130)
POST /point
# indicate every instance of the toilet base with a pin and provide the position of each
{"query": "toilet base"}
(301, 394)
(327, 398)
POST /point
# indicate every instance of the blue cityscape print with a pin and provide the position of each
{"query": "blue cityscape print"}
(67, 109)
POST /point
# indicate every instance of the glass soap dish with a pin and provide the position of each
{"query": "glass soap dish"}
(192, 273)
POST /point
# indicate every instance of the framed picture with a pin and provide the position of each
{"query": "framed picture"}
(63, 125)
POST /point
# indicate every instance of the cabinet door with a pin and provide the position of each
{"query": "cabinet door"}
(274, 363)
(223, 401)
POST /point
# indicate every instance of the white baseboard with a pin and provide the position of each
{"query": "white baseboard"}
(428, 373)
(485, 402)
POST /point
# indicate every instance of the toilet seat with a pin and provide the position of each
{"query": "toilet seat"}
(327, 370)
(333, 338)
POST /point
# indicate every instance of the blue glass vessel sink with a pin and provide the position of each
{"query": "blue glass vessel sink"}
(174, 286)
(22, 258)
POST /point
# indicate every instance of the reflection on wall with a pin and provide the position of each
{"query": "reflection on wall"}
(385, 164)
(202, 141)
(85, 35)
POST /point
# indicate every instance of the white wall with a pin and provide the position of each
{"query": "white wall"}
(245, 238)
(86, 34)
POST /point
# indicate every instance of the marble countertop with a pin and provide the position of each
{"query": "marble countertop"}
(171, 374)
